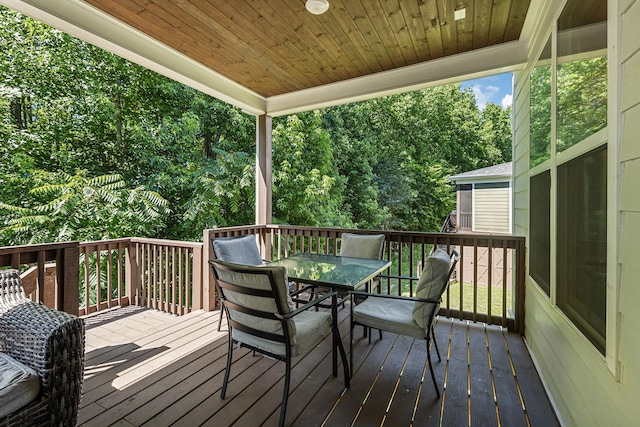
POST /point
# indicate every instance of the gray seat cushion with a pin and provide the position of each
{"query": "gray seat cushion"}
(19, 385)
(237, 249)
(311, 327)
(431, 284)
(388, 314)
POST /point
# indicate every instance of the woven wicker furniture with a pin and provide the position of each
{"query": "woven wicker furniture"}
(49, 341)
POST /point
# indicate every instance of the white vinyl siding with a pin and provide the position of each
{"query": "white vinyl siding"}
(491, 208)
(587, 389)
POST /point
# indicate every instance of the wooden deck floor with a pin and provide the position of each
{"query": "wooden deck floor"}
(145, 367)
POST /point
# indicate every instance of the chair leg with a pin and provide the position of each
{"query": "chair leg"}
(435, 342)
(433, 376)
(285, 395)
(343, 356)
(351, 325)
(222, 313)
(226, 371)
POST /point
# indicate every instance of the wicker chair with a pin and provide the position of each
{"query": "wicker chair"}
(50, 342)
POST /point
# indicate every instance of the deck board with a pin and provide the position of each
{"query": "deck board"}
(481, 388)
(165, 370)
(455, 395)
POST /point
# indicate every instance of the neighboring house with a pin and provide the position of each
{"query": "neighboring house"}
(484, 205)
(484, 201)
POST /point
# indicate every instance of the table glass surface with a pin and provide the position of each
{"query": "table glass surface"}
(330, 270)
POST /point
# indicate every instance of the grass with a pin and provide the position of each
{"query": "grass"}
(482, 298)
(451, 298)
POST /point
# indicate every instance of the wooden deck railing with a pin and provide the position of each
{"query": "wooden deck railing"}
(465, 221)
(175, 277)
(60, 293)
(83, 278)
(162, 274)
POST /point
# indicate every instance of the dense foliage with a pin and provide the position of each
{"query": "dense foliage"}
(95, 147)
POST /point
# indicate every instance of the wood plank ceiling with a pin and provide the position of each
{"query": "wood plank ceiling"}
(275, 47)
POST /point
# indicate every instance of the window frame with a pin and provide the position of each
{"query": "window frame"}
(606, 136)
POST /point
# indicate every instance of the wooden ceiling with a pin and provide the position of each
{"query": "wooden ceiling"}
(274, 47)
(577, 13)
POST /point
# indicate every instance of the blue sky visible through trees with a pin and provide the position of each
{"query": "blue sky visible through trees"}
(493, 89)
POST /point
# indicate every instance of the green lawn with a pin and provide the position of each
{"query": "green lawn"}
(482, 298)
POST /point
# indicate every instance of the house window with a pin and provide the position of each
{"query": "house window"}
(568, 170)
(540, 241)
(582, 243)
(582, 100)
(465, 209)
(581, 75)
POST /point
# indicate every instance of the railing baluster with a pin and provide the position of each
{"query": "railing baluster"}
(504, 283)
(181, 281)
(109, 277)
(174, 285)
(121, 272)
(167, 280)
(475, 280)
(489, 277)
(87, 281)
(148, 275)
(460, 269)
(187, 276)
(41, 261)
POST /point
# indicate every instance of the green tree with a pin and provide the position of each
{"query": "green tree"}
(397, 151)
(582, 100)
(495, 123)
(306, 187)
(64, 207)
(540, 120)
(67, 105)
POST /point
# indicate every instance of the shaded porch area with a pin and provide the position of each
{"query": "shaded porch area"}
(147, 367)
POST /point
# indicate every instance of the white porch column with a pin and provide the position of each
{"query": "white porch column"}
(263, 170)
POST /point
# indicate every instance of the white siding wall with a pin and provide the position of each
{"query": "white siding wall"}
(583, 386)
(629, 294)
(491, 209)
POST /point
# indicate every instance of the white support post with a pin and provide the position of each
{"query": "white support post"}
(263, 170)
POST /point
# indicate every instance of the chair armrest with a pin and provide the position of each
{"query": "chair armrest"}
(391, 276)
(307, 306)
(52, 343)
(399, 297)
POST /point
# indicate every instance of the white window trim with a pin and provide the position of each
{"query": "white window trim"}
(609, 136)
(613, 190)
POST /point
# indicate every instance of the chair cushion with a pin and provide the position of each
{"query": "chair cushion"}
(259, 281)
(19, 385)
(311, 327)
(238, 249)
(368, 246)
(431, 285)
(388, 314)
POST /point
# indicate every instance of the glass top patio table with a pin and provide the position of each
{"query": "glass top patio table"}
(337, 272)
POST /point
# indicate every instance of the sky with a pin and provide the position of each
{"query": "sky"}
(496, 89)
